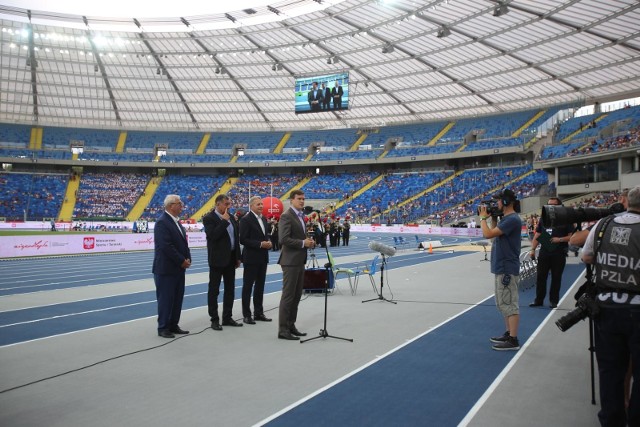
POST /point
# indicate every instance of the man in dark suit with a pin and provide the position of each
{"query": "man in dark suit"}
(255, 257)
(315, 97)
(223, 248)
(336, 94)
(293, 257)
(170, 260)
(326, 97)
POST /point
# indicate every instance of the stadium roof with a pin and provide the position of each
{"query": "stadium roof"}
(234, 69)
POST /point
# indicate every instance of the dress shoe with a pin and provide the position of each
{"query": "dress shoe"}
(177, 330)
(230, 322)
(287, 336)
(165, 334)
(261, 318)
(297, 333)
(535, 304)
(249, 320)
(215, 325)
(553, 305)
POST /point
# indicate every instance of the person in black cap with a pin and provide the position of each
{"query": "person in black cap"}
(505, 264)
(554, 247)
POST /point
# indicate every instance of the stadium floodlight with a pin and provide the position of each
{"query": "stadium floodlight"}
(443, 32)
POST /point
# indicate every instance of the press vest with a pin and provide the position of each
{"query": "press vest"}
(617, 261)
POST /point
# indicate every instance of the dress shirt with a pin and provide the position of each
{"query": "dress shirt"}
(229, 230)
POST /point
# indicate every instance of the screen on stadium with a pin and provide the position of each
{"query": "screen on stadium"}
(312, 96)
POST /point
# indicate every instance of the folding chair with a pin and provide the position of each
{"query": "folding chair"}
(353, 285)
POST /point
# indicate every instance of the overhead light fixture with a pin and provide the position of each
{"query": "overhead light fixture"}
(158, 71)
(501, 9)
(333, 60)
(273, 10)
(443, 32)
(229, 17)
(388, 49)
(95, 68)
(217, 70)
(276, 67)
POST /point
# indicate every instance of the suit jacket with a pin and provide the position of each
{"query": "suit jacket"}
(318, 97)
(218, 241)
(338, 92)
(251, 236)
(327, 95)
(171, 247)
(290, 236)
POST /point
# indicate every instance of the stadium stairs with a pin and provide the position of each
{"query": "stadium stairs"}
(282, 143)
(428, 190)
(577, 131)
(69, 202)
(298, 186)
(440, 134)
(122, 139)
(203, 143)
(212, 201)
(359, 141)
(35, 143)
(143, 201)
(528, 123)
(358, 193)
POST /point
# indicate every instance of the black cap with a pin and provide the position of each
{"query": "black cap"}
(507, 195)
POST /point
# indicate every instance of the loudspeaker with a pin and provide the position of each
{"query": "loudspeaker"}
(315, 279)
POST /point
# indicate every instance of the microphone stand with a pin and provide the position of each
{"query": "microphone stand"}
(323, 332)
(380, 297)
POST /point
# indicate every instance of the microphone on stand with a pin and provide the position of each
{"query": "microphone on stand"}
(383, 249)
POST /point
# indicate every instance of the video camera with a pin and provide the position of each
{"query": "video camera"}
(559, 215)
(586, 306)
(492, 207)
(494, 210)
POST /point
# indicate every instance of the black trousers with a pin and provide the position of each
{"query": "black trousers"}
(169, 293)
(253, 279)
(228, 275)
(550, 263)
(617, 341)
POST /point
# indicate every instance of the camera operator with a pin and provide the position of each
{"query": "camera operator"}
(613, 247)
(505, 263)
(551, 258)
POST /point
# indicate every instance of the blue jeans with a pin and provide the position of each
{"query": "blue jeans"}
(617, 340)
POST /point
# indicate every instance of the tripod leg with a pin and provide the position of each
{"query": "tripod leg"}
(592, 350)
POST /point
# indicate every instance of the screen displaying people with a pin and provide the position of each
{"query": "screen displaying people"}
(322, 93)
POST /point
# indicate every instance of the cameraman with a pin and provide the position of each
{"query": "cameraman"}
(551, 258)
(505, 264)
(617, 328)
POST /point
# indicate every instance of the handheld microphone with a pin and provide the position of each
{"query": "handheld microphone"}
(383, 249)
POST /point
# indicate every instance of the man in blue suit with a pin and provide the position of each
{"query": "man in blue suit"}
(170, 261)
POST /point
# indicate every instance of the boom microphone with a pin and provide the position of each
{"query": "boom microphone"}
(383, 249)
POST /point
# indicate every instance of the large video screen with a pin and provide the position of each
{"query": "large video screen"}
(328, 92)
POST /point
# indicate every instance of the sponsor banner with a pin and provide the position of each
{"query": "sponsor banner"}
(73, 244)
(420, 229)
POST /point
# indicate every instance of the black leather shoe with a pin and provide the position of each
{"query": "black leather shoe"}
(287, 336)
(230, 322)
(249, 320)
(215, 325)
(553, 305)
(177, 330)
(261, 318)
(535, 304)
(297, 333)
(165, 334)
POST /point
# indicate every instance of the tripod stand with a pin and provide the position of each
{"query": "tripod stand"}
(323, 332)
(380, 297)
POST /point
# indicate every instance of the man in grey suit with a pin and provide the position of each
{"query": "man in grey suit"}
(293, 257)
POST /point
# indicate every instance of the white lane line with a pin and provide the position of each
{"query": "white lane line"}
(363, 367)
(474, 410)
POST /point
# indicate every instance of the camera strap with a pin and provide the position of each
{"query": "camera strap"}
(602, 227)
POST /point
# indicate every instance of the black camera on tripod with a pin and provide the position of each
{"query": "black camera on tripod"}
(560, 215)
(586, 306)
(492, 207)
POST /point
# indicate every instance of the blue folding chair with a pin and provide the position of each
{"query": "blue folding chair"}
(371, 270)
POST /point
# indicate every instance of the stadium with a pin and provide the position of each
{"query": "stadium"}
(432, 108)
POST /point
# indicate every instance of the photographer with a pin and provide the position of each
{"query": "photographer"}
(505, 263)
(554, 246)
(613, 246)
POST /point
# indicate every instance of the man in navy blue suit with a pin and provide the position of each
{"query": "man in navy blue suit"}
(170, 261)
(254, 236)
(223, 249)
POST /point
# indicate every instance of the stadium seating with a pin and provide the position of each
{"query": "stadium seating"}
(31, 196)
(107, 195)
